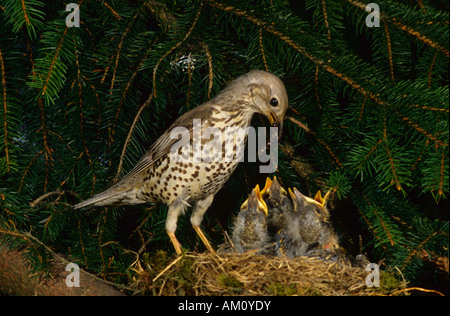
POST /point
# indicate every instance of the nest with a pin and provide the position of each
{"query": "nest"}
(253, 274)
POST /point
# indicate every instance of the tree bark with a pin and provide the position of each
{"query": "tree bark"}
(17, 280)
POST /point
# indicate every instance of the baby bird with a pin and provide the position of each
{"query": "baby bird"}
(308, 229)
(250, 228)
(278, 204)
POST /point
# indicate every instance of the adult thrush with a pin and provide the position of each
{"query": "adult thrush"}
(308, 229)
(250, 229)
(173, 171)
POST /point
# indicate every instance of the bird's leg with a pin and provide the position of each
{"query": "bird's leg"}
(176, 208)
(204, 239)
(175, 242)
(197, 216)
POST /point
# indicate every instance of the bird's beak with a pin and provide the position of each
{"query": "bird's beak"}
(276, 122)
(266, 186)
(322, 200)
(261, 203)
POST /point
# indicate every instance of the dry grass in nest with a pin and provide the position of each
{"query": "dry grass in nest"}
(252, 274)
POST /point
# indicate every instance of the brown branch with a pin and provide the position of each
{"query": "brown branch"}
(25, 13)
(404, 28)
(13, 233)
(428, 108)
(421, 130)
(386, 230)
(159, 10)
(71, 170)
(30, 54)
(420, 37)
(17, 279)
(125, 145)
(122, 39)
(325, 17)
(47, 150)
(371, 151)
(361, 112)
(389, 49)
(116, 15)
(189, 32)
(416, 249)
(416, 289)
(431, 68)
(48, 194)
(320, 140)
(44, 196)
(261, 47)
(420, 156)
(105, 74)
(300, 124)
(388, 151)
(296, 46)
(316, 86)
(210, 71)
(394, 171)
(55, 58)
(124, 94)
(80, 101)
(28, 168)
(371, 227)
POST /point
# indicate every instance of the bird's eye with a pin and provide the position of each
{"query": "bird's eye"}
(274, 102)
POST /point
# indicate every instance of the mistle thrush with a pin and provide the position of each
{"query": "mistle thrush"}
(250, 229)
(168, 172)
(308, 229)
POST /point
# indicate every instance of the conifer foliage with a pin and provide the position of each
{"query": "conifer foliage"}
(79, 106)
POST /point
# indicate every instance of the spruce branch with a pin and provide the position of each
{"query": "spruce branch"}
(167, 53)
(389, 49)
(119, 48)
(368, 114)
(401, 26)
(25, 13)
(130, 133)
(210, 71)
(111, 9)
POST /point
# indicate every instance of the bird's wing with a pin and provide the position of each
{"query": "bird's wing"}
(164, 144)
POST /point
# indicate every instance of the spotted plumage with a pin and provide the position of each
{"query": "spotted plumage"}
(174, 171)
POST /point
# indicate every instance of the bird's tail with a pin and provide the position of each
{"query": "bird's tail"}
(114, 196)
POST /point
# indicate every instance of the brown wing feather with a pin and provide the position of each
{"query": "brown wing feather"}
(115, 194)
(163, 145)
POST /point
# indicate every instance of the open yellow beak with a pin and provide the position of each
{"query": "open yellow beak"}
(321, 200)
(262, 205)
(266, 186)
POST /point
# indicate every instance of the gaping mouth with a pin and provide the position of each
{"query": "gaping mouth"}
(261, 202)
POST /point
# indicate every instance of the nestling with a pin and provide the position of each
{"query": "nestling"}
(278, 204)
(250, 229)
(308, 228)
